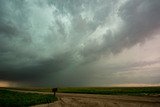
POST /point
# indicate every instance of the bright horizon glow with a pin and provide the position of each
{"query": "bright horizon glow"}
(5, 84)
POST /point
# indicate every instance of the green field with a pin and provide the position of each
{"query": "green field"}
(113, 90)
(29, 89)
(21, 99)
(102, 90)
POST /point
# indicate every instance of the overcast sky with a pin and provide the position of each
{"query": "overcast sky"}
(79, 43)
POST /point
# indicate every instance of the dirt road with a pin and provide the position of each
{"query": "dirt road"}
(92, 100)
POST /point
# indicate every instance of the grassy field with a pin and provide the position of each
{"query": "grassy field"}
(29, 89)
(102, 90)
(114, 90)
(21, 99)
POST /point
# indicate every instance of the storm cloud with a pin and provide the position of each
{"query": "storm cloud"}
(56, 42)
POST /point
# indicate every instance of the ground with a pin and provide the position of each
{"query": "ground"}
(92, 100)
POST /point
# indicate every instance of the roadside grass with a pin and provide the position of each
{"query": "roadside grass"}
(140, 91)
(21, 99)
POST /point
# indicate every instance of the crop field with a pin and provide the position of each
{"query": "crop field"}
(21, 99)
(113, 90)
(101, 90)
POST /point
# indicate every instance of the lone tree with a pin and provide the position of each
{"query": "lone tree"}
(54, 90)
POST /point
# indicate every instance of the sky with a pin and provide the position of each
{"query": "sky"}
(62, 43)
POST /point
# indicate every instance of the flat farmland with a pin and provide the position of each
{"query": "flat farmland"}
(97, 96)
(137, 91)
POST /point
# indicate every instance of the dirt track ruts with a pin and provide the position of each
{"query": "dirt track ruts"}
(94, 100)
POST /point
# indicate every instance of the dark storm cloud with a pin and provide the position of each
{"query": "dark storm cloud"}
(40, 38)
